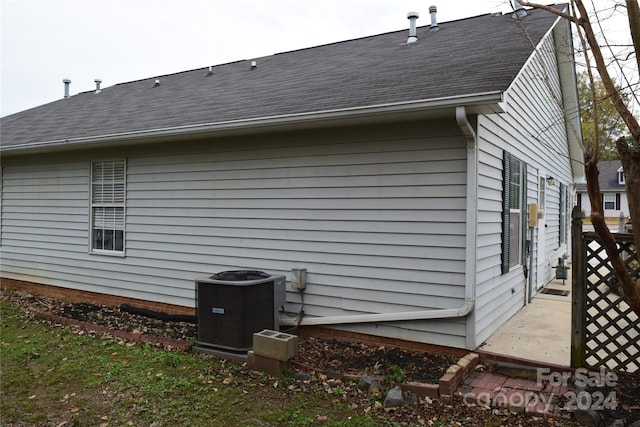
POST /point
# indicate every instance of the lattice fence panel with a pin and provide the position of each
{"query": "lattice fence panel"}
(612, 330)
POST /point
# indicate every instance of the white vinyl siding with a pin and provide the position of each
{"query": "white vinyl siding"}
(45, 221)
(376, 216)
(532, 129)
(616, 196)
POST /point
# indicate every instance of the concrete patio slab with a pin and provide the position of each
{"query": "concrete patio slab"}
(540, 331)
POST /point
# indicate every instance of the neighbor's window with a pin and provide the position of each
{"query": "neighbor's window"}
(609, 201)
(513, 218)
(107, 206)
(620, 176)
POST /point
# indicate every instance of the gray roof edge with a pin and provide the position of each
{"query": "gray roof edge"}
(534, 53)
(479, 103)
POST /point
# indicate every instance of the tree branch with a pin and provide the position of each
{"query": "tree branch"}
(629, 154)
(626, 115)
(633, 13)
(552, 10)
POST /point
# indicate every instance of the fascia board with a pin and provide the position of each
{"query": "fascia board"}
(482, 103)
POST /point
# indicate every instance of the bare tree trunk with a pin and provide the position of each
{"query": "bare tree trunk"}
(630, 289)
(633, 12)
(630, 155)
(631, 165)
(584, 23)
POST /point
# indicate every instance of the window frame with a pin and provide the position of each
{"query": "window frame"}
(513, 238)
(563, 235)
(119, 204)
(611, 199)
(621, 179)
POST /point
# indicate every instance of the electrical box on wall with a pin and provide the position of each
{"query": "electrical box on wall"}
(299, 278)
(533, 214)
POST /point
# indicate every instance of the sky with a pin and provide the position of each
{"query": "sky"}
(43, 42)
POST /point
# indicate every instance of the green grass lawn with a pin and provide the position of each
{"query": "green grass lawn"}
(55, 376)
(50, 376)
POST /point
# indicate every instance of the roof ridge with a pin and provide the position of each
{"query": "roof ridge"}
(290, 51)
(375, 35)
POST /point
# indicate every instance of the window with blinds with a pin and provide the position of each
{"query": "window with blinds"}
(513, 218)
(108, 205)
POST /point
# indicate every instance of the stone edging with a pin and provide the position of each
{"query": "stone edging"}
(130, 336)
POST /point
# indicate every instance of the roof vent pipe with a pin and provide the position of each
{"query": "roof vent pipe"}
(254, 65)
(434, 20)
(519, 10)
(412, 17)
(98, 81)
(66, 82)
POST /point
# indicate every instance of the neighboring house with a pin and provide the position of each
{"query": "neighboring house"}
(613, 188)
(398, 174)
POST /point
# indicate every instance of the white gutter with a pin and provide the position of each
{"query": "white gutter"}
(487, 102)
(470, 263)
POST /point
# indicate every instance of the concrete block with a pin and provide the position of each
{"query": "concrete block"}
(275, 345)
(265, 364)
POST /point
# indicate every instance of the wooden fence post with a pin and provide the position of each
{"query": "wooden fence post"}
(578, 290)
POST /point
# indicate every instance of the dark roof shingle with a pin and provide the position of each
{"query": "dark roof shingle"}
(470, 56)
(608, 177)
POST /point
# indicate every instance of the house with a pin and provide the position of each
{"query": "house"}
(612, 186)
(397, 169)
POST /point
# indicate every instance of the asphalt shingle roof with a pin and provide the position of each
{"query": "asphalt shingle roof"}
(608, 177)
(470, 56)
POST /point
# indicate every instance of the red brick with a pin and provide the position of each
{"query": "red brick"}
(523, 384)
(422, 389)
(74, 295)
(473, 378)
(541, 404)
(468, 362)
(449, 382)
(479, 396)
(515, 400)
(490, 381)
(558, 390)
(327, 333)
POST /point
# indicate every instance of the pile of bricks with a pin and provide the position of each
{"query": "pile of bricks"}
(454, 376)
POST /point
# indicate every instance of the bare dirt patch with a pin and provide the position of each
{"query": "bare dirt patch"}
(357, 358)
(322, 355)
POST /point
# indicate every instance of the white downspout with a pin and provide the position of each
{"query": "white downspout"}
(471, 220)
(443, 313)
(385, 317)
